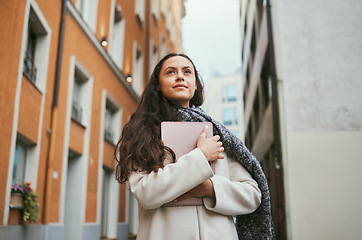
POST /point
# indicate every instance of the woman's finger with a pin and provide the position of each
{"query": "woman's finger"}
(204, 132)
(216, 138)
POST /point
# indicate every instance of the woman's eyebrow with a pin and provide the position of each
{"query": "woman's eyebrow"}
(167, 68)
(171, 67)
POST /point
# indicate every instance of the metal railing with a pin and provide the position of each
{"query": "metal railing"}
(77, 112)
(29, 69)
(108, 135)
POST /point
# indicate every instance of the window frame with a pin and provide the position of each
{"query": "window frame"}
(117, 33)
(15, 179)
(226, 113)
(137, 68)
(78, 80)
(35, 64)
(155, 10)
(88, 10)
(140, 11)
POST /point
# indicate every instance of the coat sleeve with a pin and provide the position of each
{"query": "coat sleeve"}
(154, 189)
(235, 195)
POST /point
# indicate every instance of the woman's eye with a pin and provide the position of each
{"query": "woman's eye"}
(188, 71)
(171, 72)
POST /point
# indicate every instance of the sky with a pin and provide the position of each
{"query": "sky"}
(211, 35)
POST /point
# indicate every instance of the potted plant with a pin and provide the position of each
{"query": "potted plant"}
(16, 198)
(30, 205)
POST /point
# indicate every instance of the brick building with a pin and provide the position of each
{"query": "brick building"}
(72, 73)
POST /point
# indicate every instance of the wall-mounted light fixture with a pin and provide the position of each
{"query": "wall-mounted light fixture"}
(129, 78)
(104, 41)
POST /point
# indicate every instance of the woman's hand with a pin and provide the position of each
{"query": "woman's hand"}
(210, 147)
(205, 189)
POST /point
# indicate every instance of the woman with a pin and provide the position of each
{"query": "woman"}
(237, 187)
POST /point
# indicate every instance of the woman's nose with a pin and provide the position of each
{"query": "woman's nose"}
(179, 76)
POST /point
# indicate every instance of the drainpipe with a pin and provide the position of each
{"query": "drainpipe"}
(59, 54)
(55, 103)
(147, 53)
(276, 128)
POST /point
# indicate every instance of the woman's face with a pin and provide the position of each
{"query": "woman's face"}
(178, 80)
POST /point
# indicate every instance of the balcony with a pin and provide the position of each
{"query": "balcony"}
(108, 135)
(30, 69)
(77, 112)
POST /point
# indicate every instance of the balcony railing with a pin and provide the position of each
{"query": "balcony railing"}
(30, 69)
(108, 135)
(77, 112)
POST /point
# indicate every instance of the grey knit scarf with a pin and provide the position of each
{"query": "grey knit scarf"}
(256, 225)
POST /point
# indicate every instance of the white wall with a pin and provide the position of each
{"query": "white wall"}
(324, 171)
(318, 54)
(319, 48)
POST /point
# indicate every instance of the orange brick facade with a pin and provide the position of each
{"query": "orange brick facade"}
(59, 148)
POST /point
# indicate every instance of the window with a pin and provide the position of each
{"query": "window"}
(155, 10)
(36, 49)
(112, 119)
(163, 49)
(76, 104)
(29, 65)
(164, 7)
(83, 7)
(140, 11)
(137, 70)
(88, 9)
(80, 95)
(170, 26)
(265, 81)
(228, 116)
(153, 55)
(116, 45)
(109, 133)
(229, 93)
(19, 163)
(236, 119)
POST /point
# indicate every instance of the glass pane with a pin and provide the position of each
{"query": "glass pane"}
(108, 119)
(83, 7)
(19, 164)
(228, 116)
(224, 94)
(76, 90)
(232, 93)
(236, 115)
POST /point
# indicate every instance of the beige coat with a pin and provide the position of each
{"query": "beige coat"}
(235, 190)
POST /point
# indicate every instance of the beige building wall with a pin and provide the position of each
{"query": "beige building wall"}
(318, 57)
(317, 46)
(214, 103)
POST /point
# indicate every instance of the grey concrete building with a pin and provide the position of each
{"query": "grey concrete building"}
(303, 112)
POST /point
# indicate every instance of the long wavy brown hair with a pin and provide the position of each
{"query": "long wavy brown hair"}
(140, 147)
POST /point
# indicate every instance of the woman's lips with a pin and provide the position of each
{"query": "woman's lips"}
(180, 86)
